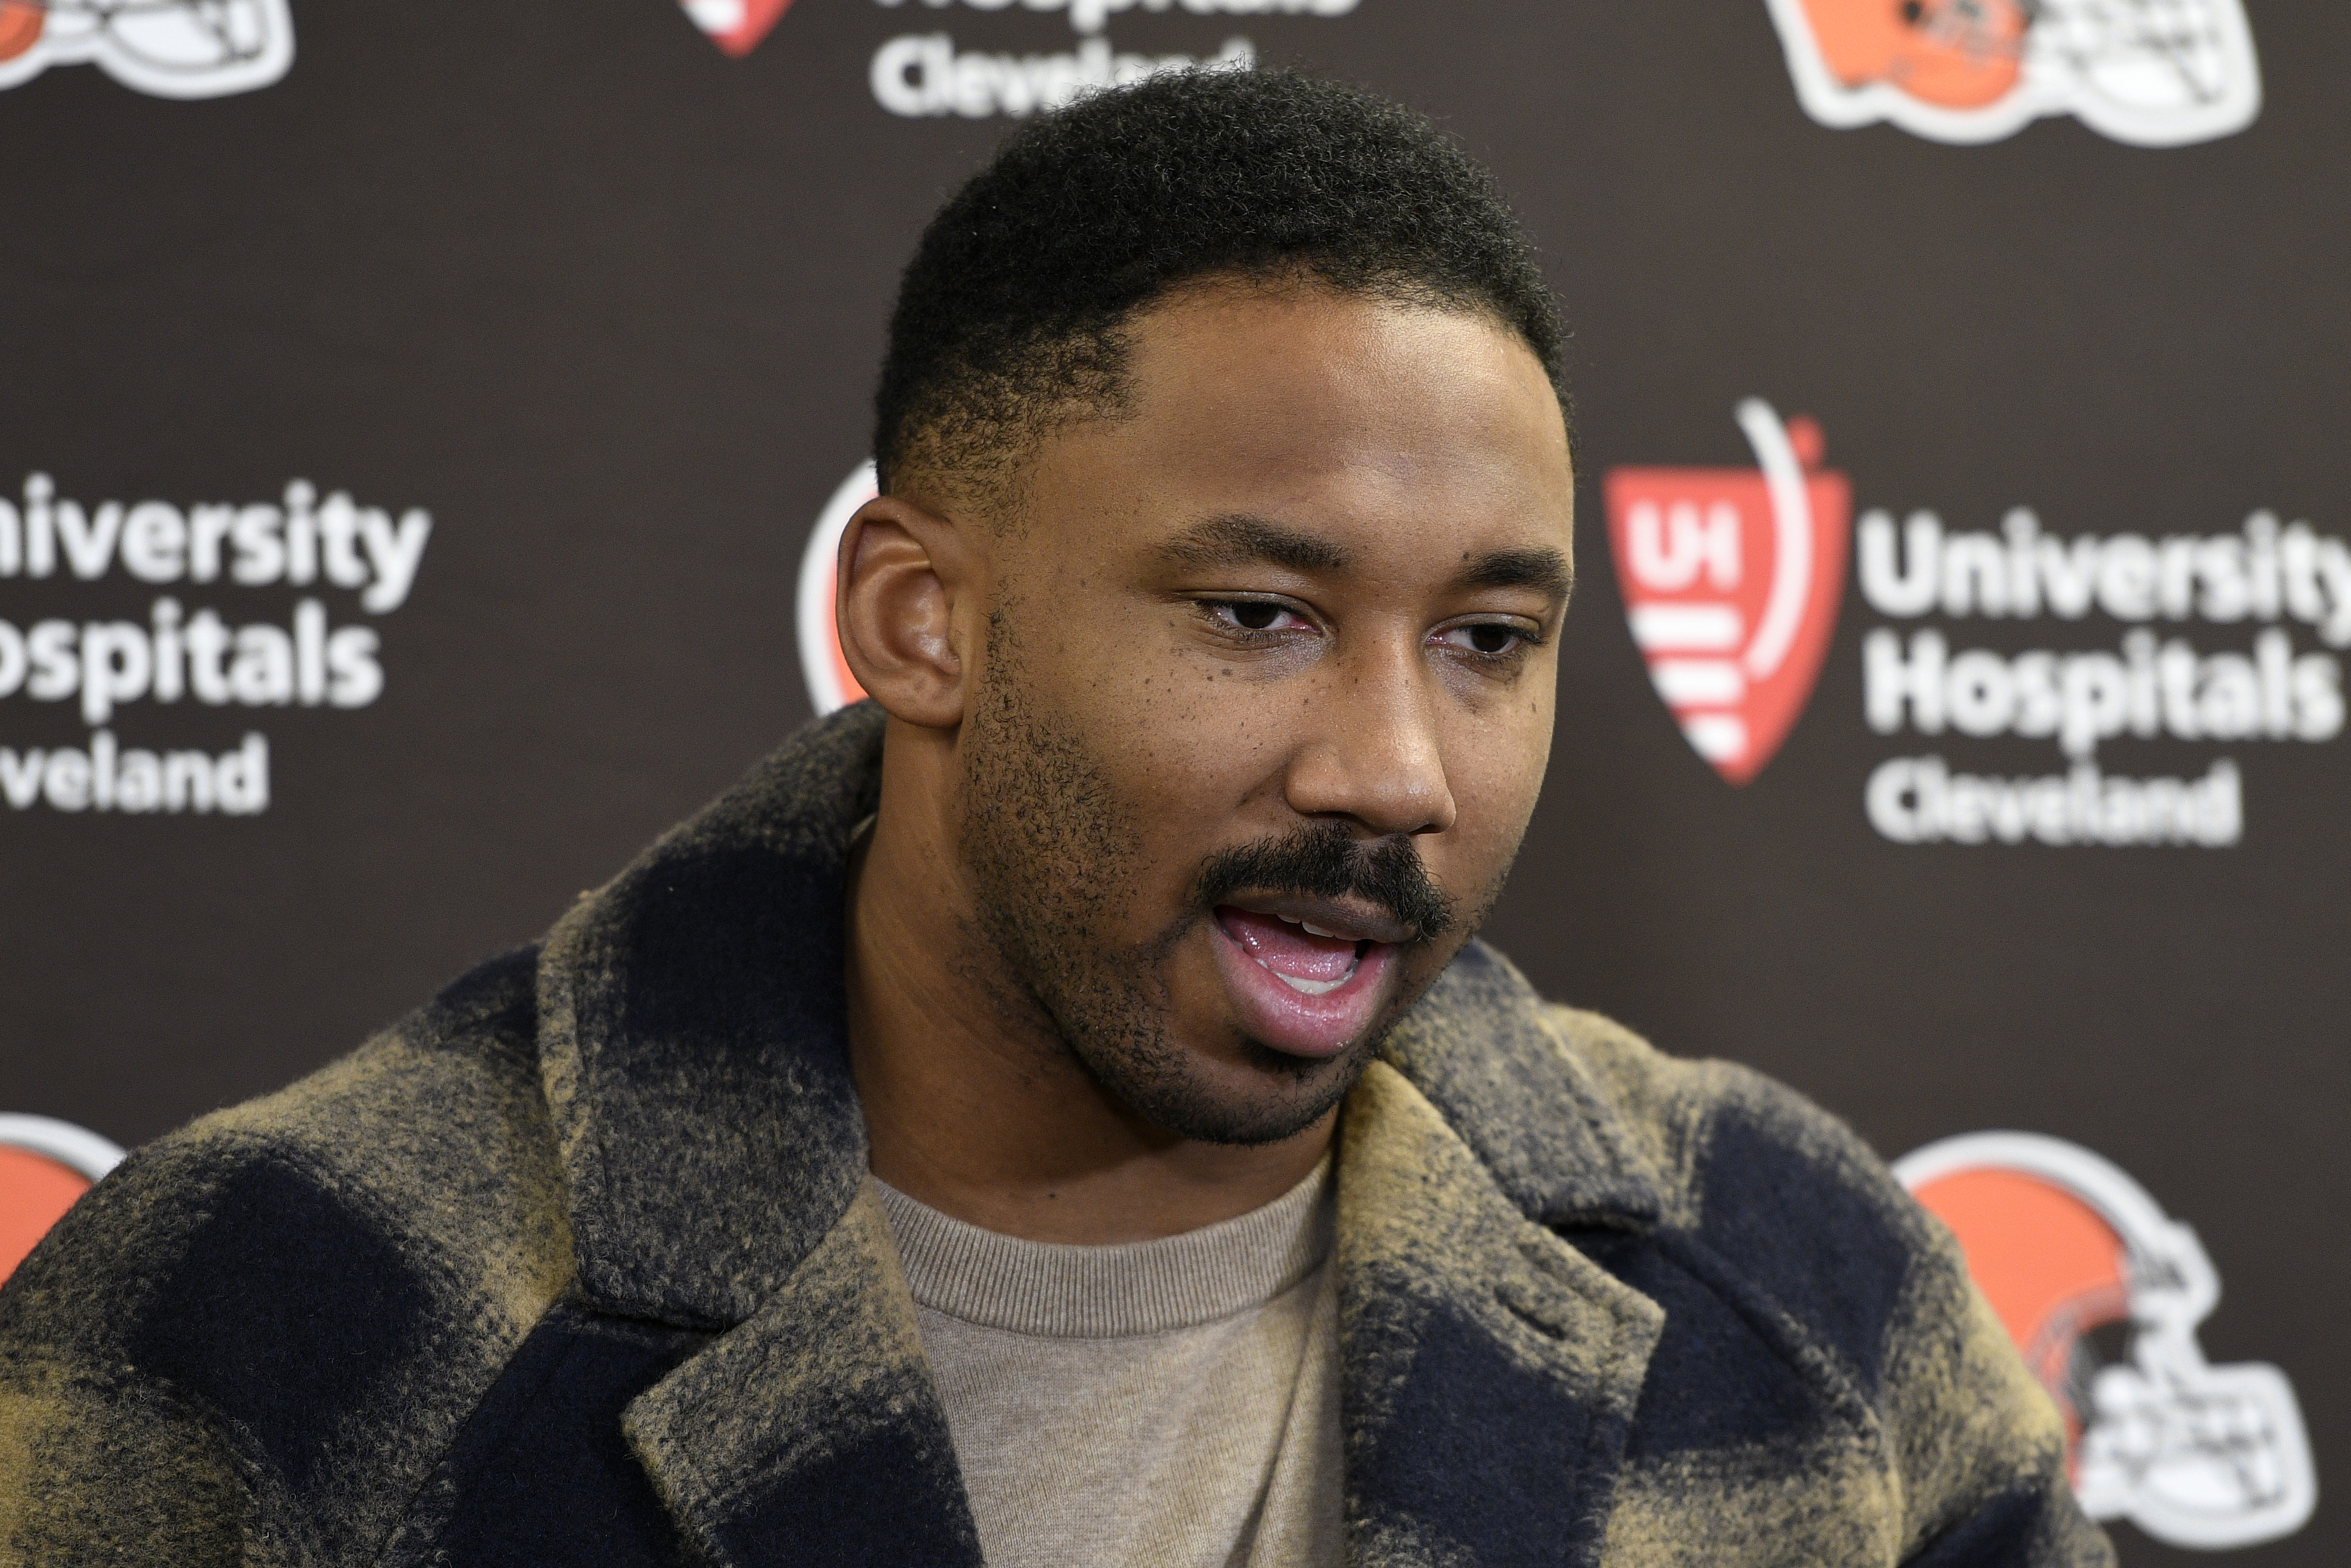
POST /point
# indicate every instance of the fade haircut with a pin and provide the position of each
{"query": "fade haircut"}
(1010, 317)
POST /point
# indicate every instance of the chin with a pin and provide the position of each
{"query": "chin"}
(1249, 1096)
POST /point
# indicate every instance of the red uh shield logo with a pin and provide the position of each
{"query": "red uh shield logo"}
(1732, 577)
(737, 25)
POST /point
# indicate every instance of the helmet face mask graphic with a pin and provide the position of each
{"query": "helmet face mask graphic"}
(2154, 73)
(170, 49)
(2103, 1292)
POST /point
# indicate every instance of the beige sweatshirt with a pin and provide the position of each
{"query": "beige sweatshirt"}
(1171, 1404)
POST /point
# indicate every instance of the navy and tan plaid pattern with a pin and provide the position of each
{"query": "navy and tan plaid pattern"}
(574, 1265)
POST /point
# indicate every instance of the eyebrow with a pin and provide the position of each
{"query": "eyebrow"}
(1238, 538)
(1542, 568)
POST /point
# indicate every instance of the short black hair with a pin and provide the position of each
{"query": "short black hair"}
(1008, 316)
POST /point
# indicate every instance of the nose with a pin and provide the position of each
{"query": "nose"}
(1370, 748)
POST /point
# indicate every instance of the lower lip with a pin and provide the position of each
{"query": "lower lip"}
(1293, 1023)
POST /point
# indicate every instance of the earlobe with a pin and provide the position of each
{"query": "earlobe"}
(900, 573)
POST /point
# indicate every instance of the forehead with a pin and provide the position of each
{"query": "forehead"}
(1384, 421)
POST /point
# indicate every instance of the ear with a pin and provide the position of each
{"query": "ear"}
(902, 573)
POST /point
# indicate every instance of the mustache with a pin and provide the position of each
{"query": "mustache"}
(1322, 860)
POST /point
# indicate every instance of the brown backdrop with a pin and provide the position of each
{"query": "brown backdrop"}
(605, 302)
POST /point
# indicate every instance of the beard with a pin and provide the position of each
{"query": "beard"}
(1053, 851)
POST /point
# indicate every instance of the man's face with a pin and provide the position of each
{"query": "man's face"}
(1265, 694)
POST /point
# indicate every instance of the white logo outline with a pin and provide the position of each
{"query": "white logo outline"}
(77, 1148)
(182, 49)
(2062, 72)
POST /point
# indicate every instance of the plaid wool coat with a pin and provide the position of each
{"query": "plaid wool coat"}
(577, 1266)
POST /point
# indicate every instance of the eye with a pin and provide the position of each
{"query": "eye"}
(1487, 639)
(1254, 615)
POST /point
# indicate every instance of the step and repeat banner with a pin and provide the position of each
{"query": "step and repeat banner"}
(423, 429)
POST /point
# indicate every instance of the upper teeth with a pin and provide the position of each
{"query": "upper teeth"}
(1308, 925)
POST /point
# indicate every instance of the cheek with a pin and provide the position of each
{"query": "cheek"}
(1188, 739)
(1166, 773)
(1190, 769)
(1496, 776)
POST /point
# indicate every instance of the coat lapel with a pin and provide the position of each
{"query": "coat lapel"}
(693, 1048)
(1490, 1370)
(1491, 1055)
(694, 1043)
(811, 1433)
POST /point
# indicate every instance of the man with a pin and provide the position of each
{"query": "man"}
(1057, 1113)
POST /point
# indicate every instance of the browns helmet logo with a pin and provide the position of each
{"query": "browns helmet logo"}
(2154, 73)
(1731, 580)
(170, 49)
(44, 1165)
(2103, 1291)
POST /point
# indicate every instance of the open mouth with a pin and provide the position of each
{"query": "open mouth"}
(1303, 985)
(1306, 957)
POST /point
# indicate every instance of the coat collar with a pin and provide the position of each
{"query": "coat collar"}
(1490, 1370)
(692, 1042)
(693, 1046)
(1493, 1063)
(1489, 1374)
(813, 1432)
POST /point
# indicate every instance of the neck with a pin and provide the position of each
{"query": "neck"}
(973, 1104)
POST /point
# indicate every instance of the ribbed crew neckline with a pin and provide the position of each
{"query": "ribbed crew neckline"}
(1060, 1291)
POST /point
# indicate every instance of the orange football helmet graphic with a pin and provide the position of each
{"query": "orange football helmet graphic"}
(45, 1165)
(2153, 73)
(2103, 1291)
(1961, 54)
(20, 26)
